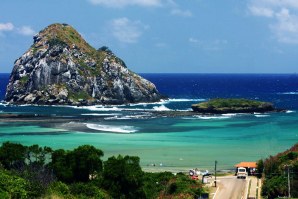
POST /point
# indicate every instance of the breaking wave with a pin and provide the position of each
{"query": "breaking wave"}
(260, 115)
(213, 117)
(100, 114)
(114, 129)
(161, 108)
(289, 93)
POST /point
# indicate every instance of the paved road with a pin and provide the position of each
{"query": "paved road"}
(230, 188)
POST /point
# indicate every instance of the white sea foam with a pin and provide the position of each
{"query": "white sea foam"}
(3, 104)
(101, 114)
(110, 128)
(230, 114)
(99, 108)
(213, 117)
(162, 102)
(289, 93)
(184, 100)
(129, 117)
(289, 111)
(259, 115)
(161, 108)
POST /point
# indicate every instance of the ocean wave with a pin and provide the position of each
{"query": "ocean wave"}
(230, 114)
(163, 102)
(3, 104)
(289, 111)
(289, 93)
(185, 100)
(161, 108)
(212, 117)
(129, 117)
(260, 115)
(110, 128)
(98, 108)
(101, 114)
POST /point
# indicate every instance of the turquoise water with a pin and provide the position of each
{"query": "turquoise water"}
(177, 143)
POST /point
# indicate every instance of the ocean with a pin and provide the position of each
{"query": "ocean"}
(170, 143)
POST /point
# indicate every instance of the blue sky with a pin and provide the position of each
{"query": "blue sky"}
(166, 36)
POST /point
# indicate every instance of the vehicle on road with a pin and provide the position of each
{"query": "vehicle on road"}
(241, 172)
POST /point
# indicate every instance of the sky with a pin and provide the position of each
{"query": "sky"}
(166, 36)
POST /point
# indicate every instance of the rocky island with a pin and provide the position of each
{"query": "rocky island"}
(62, 68)
(222, 106)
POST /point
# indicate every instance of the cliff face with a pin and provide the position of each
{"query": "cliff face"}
(62, 68)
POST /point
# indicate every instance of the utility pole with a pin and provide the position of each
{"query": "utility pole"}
(215, 173)
(289, 182)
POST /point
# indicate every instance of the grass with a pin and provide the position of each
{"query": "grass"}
(24, 80)
(229, 103)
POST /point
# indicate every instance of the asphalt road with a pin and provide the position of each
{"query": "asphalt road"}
(230, 188)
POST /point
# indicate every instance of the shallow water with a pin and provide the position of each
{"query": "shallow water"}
(175, 143)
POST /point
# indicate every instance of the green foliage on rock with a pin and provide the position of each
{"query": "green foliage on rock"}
(232, 105)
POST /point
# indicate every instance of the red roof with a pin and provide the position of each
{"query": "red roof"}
(247, 164)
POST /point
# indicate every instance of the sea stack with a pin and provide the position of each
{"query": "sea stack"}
(62, 68)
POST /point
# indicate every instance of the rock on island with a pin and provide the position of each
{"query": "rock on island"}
(62, 68)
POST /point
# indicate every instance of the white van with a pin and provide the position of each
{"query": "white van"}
(241, 172)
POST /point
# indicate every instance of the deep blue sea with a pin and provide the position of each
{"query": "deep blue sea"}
(177, 143)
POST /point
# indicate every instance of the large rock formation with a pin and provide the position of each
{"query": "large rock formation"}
(62, 68)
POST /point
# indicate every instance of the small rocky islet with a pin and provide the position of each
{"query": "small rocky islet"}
(61, 68)
(233, 105)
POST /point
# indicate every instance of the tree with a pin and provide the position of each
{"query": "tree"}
(86, 162)
(12, 155)
(77, 165)
(275, 187)
(260, 168)
(123, 177)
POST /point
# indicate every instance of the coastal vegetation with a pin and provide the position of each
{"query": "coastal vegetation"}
(41, 172)
(280, 174)
(232, 105)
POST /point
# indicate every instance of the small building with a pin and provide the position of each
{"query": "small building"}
(250, 167)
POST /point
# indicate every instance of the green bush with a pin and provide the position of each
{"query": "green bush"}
(87, 190)
(12, 186)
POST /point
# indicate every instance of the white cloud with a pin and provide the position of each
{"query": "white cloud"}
(26, 30)
(193, 40)
(127, 31)
(6, 27)
(286, 28)
(261, 11)
(213, 45)
(183, 13)
(283, 15)
(124, 3)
